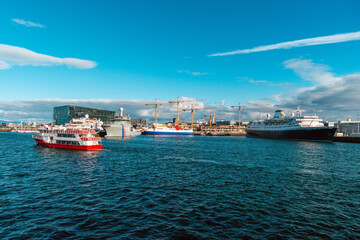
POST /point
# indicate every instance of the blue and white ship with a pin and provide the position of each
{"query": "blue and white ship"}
(164, 130)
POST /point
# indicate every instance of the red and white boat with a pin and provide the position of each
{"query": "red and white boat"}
(78, 134)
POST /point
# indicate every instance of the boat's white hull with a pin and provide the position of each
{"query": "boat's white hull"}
(120, 131)
(168, 131)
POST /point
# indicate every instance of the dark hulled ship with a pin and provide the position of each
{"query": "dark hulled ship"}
(295, 127)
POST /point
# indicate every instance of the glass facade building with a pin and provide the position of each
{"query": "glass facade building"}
(63, 114)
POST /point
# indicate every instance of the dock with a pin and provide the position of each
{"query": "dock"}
(347, 139)
(5, 129)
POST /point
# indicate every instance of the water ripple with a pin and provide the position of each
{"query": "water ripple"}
(180, 188)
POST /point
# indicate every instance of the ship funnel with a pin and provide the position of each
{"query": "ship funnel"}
(279, 114)
(121, 112)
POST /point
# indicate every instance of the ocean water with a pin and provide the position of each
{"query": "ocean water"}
(153, 187)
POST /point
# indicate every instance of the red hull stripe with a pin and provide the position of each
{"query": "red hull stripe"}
(75, 147)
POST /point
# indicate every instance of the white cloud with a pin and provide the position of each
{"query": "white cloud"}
(269, 83)
(332, 96)
(4, 65)
(258, 81)
(310, 71)
(193, 73)
(41, 110)
(27, 23)
(337, 38)
(12, 56)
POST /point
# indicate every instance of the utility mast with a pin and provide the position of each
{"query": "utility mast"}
(212, 118)
(192, 109)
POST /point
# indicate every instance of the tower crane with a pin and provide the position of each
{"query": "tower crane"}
(254, 105)
(178, 101)
(192, 109)
(156, 104)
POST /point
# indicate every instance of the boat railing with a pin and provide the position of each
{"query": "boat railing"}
(91, 139)
(68, 131)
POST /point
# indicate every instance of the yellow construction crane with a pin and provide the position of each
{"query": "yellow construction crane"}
(254, 105)
(156, 104)
(178, 101)
(192, 109)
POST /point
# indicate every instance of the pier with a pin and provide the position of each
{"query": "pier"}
(347, 139)
(5, 129)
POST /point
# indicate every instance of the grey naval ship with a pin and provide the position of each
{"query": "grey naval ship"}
(120, 126)
(295, 127)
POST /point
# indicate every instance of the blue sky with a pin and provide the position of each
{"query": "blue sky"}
(141, 50)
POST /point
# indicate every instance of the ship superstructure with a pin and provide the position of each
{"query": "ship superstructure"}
(78, 134)
(297, 127)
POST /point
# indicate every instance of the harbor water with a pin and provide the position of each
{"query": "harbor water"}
(180, 187)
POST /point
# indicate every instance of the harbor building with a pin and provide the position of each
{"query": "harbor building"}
(348, 128)
(63, 114)
(138, 121)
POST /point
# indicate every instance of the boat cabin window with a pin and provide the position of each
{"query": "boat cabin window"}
(67, 142)
(67, 135)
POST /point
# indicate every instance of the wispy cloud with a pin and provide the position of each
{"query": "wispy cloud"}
(330, 95)
(310, 71)
(337, 38)
(258, 81)
(12, 56)
(271, 84)
(263, 82)
(193, 73)
(40, 110)
(27, 23)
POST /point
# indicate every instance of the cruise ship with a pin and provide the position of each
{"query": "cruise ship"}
(121, 126)
(295, 127)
